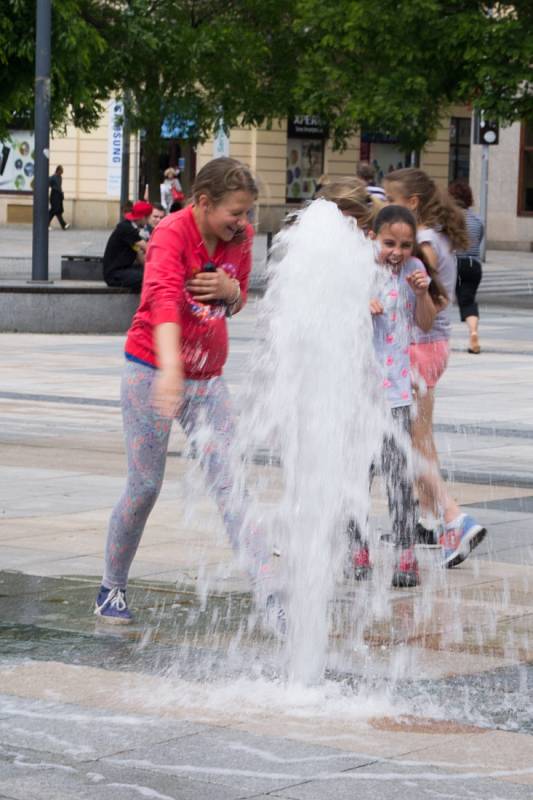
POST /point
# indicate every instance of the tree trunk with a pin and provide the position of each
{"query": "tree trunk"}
(152, 147)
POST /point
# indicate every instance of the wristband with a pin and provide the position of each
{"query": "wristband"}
(231, 305)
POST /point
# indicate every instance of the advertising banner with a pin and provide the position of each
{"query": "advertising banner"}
(114, 147)
(17, 162)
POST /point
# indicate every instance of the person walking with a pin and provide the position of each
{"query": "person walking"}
(441, 229)
(56, 198)
(171, 191)
(469, 270)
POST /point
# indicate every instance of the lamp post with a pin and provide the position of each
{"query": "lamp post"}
(39, 269)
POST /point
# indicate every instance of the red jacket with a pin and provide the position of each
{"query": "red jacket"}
(175, 253)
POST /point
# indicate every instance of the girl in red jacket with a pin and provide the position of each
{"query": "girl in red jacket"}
(196, 275)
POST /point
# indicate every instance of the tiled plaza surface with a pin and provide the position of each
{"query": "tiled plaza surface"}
(166, 710)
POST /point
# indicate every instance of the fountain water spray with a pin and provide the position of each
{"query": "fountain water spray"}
(315, 402)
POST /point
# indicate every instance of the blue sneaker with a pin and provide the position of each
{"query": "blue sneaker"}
(111, 606)
(457, 543)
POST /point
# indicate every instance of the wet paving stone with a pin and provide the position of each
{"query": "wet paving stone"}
(50, 619)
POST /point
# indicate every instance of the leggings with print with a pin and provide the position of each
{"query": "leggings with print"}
(397, 472)
(205, 403)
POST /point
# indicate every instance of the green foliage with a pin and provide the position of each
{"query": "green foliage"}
(388, 66)
(391, 66)
(199, 60)
(79, 78)
(394, 66)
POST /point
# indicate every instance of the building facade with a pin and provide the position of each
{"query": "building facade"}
(288, 159)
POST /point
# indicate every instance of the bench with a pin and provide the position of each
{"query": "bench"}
(82, 268)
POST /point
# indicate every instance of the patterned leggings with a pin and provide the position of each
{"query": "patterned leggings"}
(207, 404)
(397, 472)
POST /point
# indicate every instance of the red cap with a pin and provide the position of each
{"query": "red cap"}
(140, 209)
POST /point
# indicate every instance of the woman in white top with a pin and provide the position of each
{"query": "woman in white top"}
(170, 189)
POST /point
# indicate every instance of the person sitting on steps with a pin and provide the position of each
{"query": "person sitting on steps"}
(126, 248)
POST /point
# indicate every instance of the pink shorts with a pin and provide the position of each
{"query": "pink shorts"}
(428, 361)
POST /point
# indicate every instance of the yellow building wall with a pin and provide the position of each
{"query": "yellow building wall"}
(435, 157)
(342, 163)
(84, 157)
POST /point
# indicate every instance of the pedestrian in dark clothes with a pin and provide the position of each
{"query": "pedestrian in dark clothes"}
(56, 198)
(469, 269)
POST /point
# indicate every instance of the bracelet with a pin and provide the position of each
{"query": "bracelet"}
(230, 305)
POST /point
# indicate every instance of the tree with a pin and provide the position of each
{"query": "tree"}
(381, 66)
(498, 74)
(394, 66)
(197, 63)
(80, 81)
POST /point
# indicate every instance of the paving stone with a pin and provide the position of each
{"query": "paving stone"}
(253, 764)
(393, 780)
(37, 775)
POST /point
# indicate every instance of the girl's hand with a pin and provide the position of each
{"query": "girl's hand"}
(419, 281)
(167, 392)
(376, 307)
(208, 286)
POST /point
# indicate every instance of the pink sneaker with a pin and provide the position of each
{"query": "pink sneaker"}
(406, 574)
(361, 566)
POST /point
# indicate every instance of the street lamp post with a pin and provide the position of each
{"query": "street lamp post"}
(42, 142)
(484, 197)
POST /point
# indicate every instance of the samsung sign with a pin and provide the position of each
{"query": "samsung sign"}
(114, 147)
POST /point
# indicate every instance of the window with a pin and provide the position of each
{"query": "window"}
(459, 149)
(525, 176)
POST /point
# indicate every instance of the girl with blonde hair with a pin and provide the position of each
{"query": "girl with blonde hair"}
(441, 231)
(351, 196)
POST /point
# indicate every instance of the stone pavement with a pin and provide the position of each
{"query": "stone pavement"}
(508, 275)
(16, 250)
(429, 697)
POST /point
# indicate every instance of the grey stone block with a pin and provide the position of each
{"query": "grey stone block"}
(27, 308)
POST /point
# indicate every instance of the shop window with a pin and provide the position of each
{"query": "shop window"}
(305, 157)
(383, 152)
(459, 165)
(525, 179)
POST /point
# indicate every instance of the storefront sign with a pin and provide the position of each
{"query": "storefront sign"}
(306, 127)
(114, 147)
(378, 137)
(17, 162)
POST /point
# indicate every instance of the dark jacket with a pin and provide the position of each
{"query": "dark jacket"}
(56, 194)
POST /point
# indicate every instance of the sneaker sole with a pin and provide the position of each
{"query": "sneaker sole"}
(405, 580)
(112, 620)
(475, 536)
